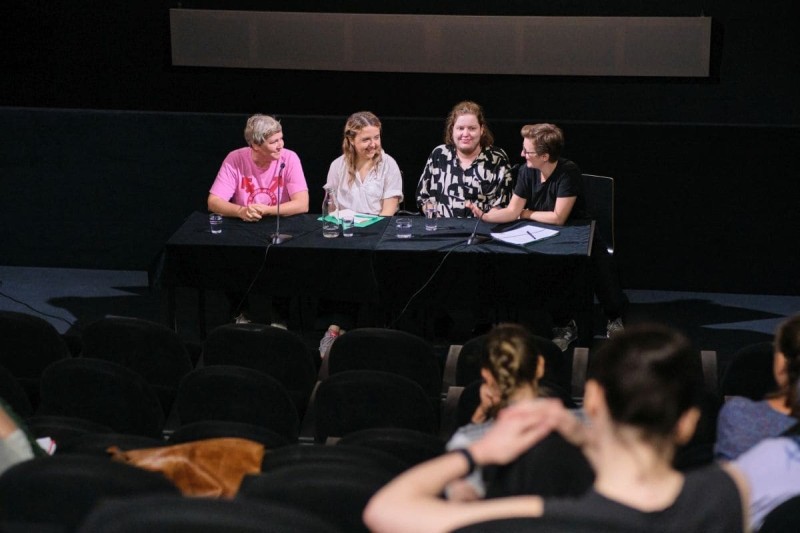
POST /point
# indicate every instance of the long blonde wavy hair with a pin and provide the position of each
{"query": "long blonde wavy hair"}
(355, 123)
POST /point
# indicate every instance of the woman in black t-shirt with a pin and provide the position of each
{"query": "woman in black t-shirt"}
(549, 190)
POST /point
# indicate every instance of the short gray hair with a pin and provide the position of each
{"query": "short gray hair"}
(259, 128)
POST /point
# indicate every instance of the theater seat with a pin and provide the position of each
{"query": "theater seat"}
(388, 350)
(103, 392)
(271, 350)
(749, 372)
(63, 489)
(28, 344)
(201, 515)
(785, 518)
(237, 394)
(337, 492)
(361, 399)
(378, 460)
(210, 429)
(466, 363)
(411, 446)
(151, 349)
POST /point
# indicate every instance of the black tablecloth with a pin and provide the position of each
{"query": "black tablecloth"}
(376, 266)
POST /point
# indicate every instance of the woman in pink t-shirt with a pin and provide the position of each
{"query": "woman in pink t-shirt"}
(253, 180)
(250, 184)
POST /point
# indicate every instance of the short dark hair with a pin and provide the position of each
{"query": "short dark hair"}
(651, 376)
(547, 139)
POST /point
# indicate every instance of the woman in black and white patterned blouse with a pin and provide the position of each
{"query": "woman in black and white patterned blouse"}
(466, 167)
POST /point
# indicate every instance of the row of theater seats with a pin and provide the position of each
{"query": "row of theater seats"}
(137, 377)
(297, 488)
(134, 385)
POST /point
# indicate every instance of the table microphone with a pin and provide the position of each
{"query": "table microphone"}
(278, 237)
(475, 238)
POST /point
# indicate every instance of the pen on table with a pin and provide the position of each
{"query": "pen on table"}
(531, 234)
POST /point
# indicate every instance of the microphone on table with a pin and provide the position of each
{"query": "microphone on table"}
(474, 238)
(278, 237)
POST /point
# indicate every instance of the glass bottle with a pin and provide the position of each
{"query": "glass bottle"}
(330, 228)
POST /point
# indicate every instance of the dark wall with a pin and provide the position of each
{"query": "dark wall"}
(107, 147)
(109, 55)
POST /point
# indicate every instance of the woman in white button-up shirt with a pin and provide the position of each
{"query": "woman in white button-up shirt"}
(366, 179)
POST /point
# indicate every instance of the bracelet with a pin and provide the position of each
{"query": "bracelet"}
(470, 460)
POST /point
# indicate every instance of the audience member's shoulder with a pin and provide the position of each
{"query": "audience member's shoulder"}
(707, 474)
(711, 479)
(787, 448)
(739, 404)
(466, 435)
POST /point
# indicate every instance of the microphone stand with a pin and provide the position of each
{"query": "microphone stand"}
(278, 237)
(474, 238)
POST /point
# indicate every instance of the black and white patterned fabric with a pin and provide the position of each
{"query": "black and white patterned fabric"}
(487, 182)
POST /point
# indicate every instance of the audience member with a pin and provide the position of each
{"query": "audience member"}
(366, 180)
(15, 445)
(466, 167)
(743, 422)
(250, 184)
(640, 403)
(549, 189)
(772, 471)
(511, 367)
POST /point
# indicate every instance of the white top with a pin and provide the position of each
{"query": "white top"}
(364, 196)
(14, 449)
(772, 469)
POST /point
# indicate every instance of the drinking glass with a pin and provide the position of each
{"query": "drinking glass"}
(403, 225)
(215, 223)
(347, 225)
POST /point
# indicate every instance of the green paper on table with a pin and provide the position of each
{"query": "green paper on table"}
(360, 220)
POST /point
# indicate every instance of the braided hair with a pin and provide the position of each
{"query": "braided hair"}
(512, 357)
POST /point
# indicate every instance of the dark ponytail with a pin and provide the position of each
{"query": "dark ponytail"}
(651, 376)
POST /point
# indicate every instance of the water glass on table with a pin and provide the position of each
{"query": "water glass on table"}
(403, 226)
(430, 216)
(348, 223)
(215, 223)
